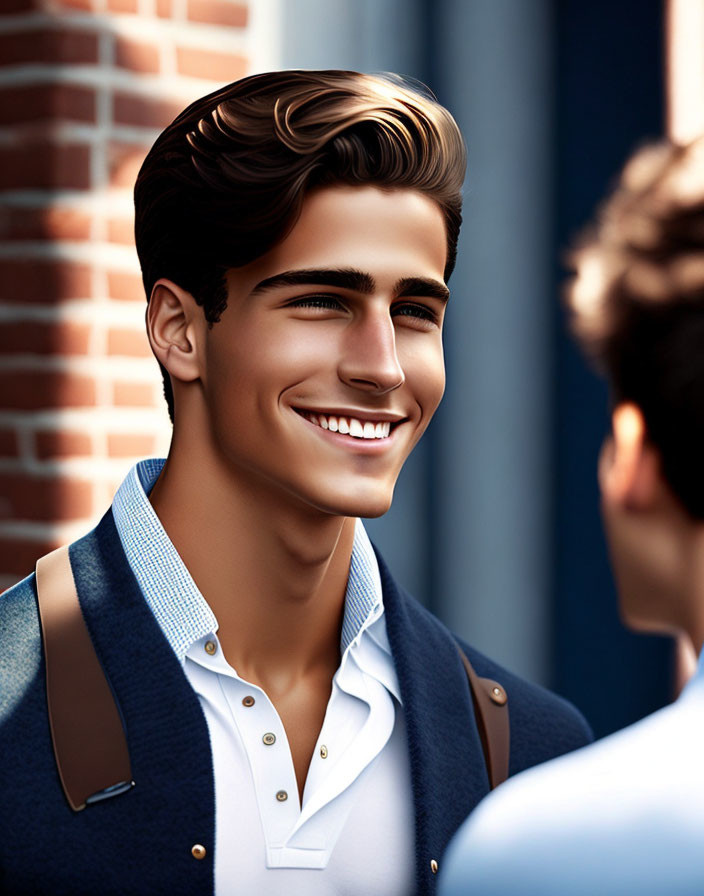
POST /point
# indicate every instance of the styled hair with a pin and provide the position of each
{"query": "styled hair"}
(637, 304)
(226, 180)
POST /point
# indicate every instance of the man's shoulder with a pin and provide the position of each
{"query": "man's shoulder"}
(543, 725)
(20, 642)
(616, 817)
(17, 597)
(19, 611)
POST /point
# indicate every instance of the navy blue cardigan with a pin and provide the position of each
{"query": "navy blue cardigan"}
(140, 842)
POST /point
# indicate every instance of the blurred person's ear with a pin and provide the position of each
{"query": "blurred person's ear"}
(172, 324)
(629, 466)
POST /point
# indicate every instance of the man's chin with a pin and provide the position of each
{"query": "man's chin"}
(368, 506)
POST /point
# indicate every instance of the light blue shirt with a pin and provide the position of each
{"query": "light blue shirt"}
(623, 817)
(173, 597)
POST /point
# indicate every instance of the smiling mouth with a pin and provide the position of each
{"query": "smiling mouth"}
(357, 429)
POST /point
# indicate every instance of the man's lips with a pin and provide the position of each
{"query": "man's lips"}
(366, 425)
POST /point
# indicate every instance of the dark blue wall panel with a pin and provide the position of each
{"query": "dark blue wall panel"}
(609, 100)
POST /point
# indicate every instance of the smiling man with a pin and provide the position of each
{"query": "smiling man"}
(295, 722)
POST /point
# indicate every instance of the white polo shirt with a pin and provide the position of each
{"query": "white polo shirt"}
(352, 833)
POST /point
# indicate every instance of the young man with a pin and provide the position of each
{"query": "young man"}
(624, 816)
(295, 723)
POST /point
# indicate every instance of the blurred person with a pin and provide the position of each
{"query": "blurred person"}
(295, 723)
(623, 816)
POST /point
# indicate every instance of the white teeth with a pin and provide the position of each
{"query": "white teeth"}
(356, 428)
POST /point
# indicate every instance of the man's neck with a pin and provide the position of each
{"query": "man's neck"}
(274, 573)
(696, 589)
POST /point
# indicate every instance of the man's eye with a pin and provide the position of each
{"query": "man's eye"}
(410, 309)
(326, 302)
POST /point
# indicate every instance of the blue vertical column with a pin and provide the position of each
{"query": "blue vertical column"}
(492, 470)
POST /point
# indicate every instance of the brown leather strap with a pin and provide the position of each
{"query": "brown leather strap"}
(86, 728)
(491, 711)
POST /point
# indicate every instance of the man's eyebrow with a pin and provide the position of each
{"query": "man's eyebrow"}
(354, 280)
(420, 286)
(342, 278)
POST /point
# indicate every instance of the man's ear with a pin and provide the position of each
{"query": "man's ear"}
(629, 466)
(173, 318)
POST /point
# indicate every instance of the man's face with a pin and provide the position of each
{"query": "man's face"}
(327, 364)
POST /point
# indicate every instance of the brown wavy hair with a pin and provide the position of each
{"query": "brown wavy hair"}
(637, 304)
(225, 182)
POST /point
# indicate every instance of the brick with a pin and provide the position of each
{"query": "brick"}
(18, 556)
(43, 282)
(218, 12)
(130, 445)
(52, 102)
(33, 390)
(39, 338)
(50, 223)
(49, 46)
(127, 287)
(129, 6)
(124, 162)
(44, 498)
(51, 445)
(87, 5)
(141, 111)
(10, 7)
(9, 446)
(137, 56)
(206, 64)
(129, 343)
(164, 8)
(134, 395)
(121, 230)
(45, 166)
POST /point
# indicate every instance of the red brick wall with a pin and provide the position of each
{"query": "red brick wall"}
(85, 87)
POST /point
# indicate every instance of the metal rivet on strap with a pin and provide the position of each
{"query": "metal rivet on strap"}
(323, 751)
(198, 851)
(498, 695)
(248, 701)
(433, 866)
(269, 738)
(282, 796)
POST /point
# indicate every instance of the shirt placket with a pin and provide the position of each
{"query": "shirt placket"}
(266, 746)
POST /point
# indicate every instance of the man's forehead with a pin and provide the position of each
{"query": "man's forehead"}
(352, 238)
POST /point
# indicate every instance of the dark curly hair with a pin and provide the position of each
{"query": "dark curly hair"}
(225, 182)
(637, 304)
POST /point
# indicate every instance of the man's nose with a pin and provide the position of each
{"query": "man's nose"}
(369, 359)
